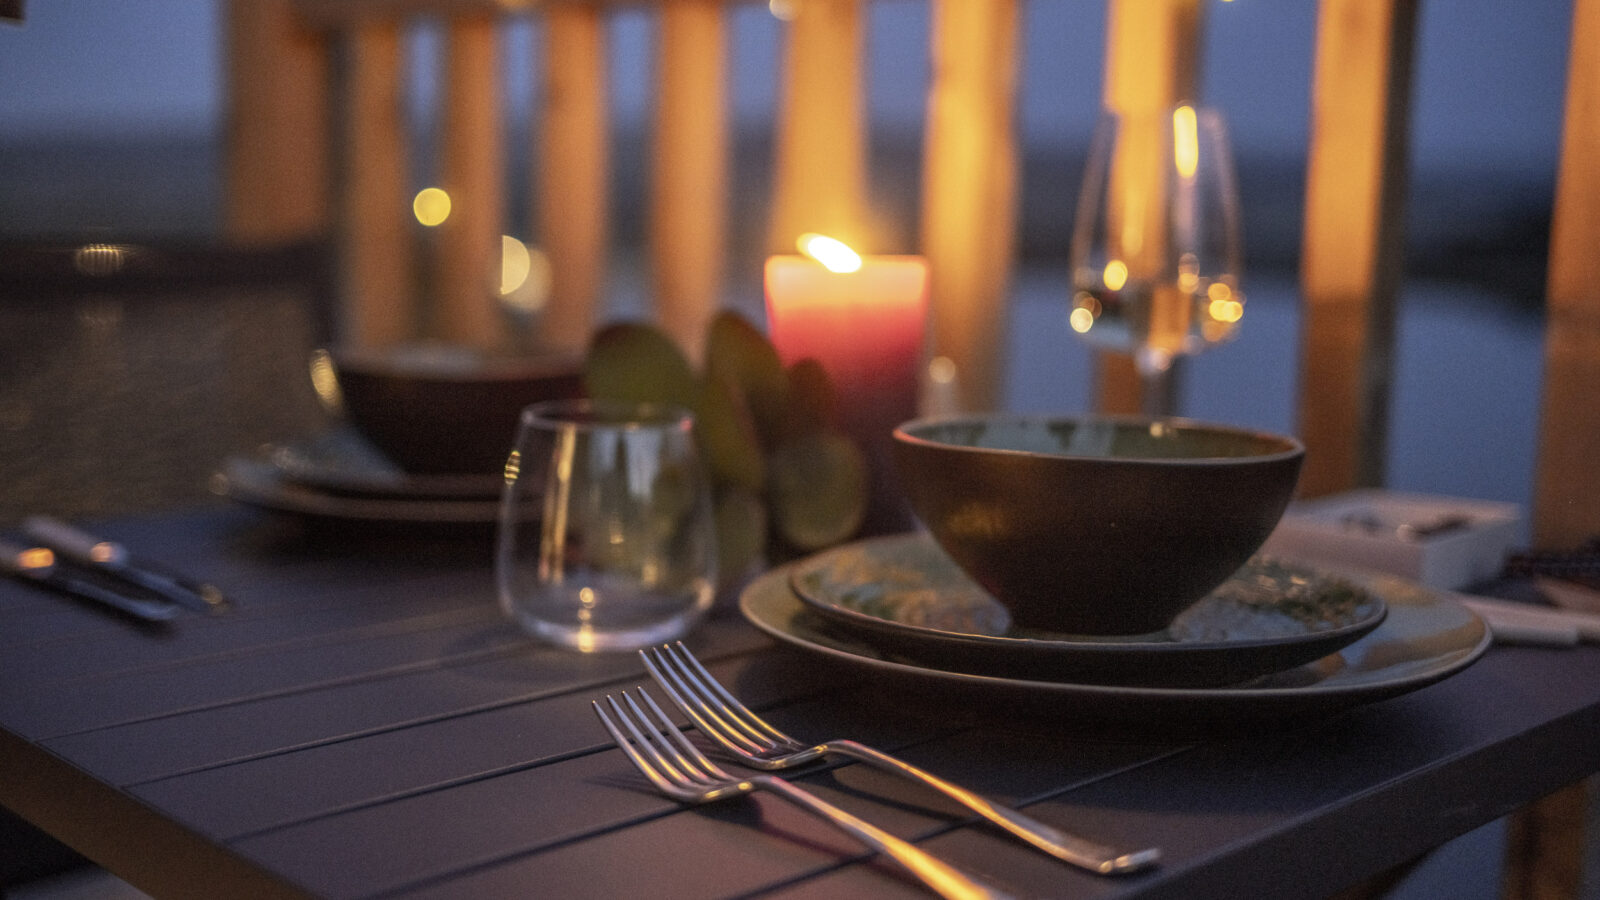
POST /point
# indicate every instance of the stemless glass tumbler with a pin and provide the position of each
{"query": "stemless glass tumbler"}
(606, 538)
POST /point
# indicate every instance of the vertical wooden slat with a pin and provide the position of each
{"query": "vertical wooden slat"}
(969, 191)
(277, 132)
(471, 168)
(572, 188)
(1545, 847)
(689, 181)
(1351, 258)
(821, 154)
(1152, 64)
(1567, 501)
(1546, 842)
(375, 241)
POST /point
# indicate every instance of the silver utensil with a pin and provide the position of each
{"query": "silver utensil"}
(678, 769)
(114, 559)
(38, 564)
(721, 717)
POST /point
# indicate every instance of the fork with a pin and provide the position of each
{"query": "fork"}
(678, 769)
(722, 718)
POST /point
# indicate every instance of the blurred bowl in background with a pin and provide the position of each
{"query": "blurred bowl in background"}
(1095, 525)
(440, 409)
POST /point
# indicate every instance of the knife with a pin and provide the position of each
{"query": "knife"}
(38, 564)
(114, 559)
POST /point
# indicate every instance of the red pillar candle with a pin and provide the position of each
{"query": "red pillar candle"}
(866, 329)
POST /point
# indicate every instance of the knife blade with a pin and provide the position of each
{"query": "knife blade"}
(114, 558)
(38, 564)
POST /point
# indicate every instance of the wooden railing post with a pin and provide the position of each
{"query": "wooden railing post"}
(277, 125)
(821, 154)
(1567, 502)
(969, 191)
(689, 179)
(472, 171)
(1352, 252)
(375, 223)
(571, 211)
(1152, 64)
(1546, 842)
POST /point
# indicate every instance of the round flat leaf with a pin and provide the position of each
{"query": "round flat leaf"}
(741, 519)
(633, 362)
(737, 352)
(813, 399)
(818, 489)
(727, 437)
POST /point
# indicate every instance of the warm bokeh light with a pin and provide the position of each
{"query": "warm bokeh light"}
(1226, 310)
(36, 558)
(431, 206)
(515, 262)
(1186, 141)
(325, 381)
(835, 255)
(942, 370)
(784, 10)
(1081, 320)
(99, 259)
(524, 276)
(1115, 275)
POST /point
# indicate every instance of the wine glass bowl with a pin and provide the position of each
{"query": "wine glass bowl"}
(1155, 255)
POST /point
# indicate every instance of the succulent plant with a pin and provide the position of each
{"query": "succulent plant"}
(787, 479)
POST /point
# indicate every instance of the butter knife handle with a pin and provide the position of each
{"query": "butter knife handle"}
(73, 543)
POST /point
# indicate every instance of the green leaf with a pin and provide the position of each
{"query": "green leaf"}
(813, 399)
(727, 436)
(818, 489)
(737, 352)
(741, 519)
(633, 362)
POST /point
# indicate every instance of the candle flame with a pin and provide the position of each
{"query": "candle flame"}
(835, 255)
(1186, 139)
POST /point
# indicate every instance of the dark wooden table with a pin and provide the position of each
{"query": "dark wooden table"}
(365, 724)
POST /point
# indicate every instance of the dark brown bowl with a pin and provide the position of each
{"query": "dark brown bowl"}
(441, 410)
(1095, 525)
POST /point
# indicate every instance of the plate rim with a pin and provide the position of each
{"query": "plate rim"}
(261, 484)
(1446, 663)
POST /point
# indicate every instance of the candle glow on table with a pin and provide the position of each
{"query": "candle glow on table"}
(865, 326)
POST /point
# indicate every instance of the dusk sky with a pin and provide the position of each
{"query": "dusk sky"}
(1489, 82)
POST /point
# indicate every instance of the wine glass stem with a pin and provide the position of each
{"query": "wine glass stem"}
(1158, 389)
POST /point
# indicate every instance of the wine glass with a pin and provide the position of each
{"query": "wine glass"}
(606, 537)
(1155, 246)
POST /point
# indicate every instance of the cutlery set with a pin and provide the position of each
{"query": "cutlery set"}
(679, 770)
(69, 560)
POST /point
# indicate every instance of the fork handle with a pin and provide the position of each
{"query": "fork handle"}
(941, 877)
(1082, 852)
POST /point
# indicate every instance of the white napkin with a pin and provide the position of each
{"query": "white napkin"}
(1523, 623)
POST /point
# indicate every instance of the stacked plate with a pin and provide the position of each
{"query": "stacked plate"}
(1277, 639)
(339, 478)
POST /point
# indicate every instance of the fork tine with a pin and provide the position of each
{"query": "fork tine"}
(687, 754)
(692, 699)
(752, 724)
(628, 748)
